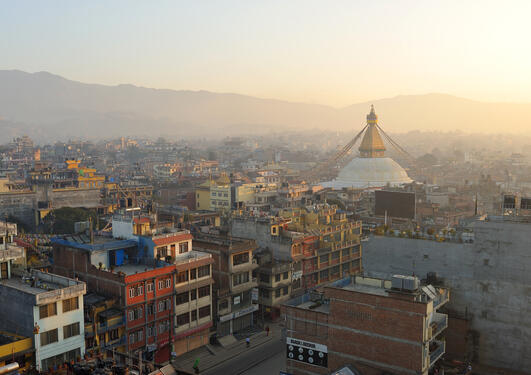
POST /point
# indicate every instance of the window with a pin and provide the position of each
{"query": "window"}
(140, 312)
(71, 330)
(70, 304)
(182, 277)
(204, 291)
(149, 287)
(162, 252)
(265, 293)
(285, 290)
(277, 277)
(167, 282)
(183, 247)
(161, 306)
(240, 278)
(204, 311)
(150, 309)
(150, 331)
(277, 293)
(49, 337)
(335, 255)
(323, 274)
(344, 252)
(193, 294)
(113, 335)
(194, 315)
(131, 315)
(240, 258)
(223, 304)
(183, 319)
(131, 338)
(193, 273)
(47, 310)
(285, 275)
(203, 271)
(181, 298)
(140, 290)
(264, 277)
(131, 292)
(323, 258)
(334, 270)
(164, 327)
(140, 335)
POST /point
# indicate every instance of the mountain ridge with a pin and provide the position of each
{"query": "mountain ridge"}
(51, 106)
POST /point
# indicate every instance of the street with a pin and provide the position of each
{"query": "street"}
(264, 359)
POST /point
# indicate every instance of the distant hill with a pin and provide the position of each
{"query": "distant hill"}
(48, 106)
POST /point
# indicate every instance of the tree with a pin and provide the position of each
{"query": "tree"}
(62, 220)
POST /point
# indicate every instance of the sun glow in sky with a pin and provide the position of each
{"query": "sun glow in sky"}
(329, 52)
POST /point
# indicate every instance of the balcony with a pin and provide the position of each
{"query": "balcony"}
(439, 348)
(104, 327)
(247, 266)
(252, 283)
(438, 324)
(442, 298)
(12, 252)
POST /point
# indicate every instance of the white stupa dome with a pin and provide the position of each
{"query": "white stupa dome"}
(370, 172)
(371, 168)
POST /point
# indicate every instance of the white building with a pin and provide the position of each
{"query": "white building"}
(47, 306)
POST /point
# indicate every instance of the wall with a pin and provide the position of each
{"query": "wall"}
(260, 231)
(59, 321)
(489, 280)
(17, 315)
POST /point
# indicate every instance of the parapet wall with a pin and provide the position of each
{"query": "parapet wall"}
(490, 280)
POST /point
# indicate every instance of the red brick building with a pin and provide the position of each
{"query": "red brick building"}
(374, 325)
(144, 288)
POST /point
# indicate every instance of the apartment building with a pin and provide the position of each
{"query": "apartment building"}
(47, 307)
(233, 280)
(374, 325)
(142, 285)
(193, 300)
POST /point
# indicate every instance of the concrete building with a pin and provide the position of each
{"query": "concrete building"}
(47, 307)
(233, 280)
(193, 300)
(142, 285)
(489, 278)
(378, 326)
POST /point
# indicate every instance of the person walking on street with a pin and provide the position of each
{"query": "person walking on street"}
(196, 366)
(248, 341)
(267, 330)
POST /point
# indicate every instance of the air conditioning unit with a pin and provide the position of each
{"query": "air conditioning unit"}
(410, 283)
(397, 282)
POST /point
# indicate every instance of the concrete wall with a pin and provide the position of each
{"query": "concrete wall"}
(16, 311)
(489, 280)
(260, 231)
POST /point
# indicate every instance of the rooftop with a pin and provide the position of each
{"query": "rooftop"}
(191, 256)
(8, 338)
(83, 242)
(44, 286)
(132, 269)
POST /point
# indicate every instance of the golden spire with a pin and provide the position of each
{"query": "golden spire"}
(372, 145)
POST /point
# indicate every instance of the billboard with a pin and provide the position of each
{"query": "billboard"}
(307, 352)
(395, 204)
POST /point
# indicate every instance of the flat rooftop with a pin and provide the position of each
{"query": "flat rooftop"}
(132, 269)
(191, 256)
(100, 243)
(38, 282)
(8, 338)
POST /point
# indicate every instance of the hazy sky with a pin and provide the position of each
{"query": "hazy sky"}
(330, 52)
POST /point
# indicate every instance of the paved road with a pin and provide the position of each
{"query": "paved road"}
(272, 366)
(246, 362)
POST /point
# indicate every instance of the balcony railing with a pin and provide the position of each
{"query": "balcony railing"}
(252, 283)
(12, 252)
(439, 323)
(442, 298)
(438, 352)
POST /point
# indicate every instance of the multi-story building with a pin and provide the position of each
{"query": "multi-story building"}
(338, 250)
(47, 307)
(233, 280)
(373, 325)
(104, 325)
(142, 285)
(193, 300)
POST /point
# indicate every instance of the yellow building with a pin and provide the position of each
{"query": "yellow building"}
(104, 326)
(202, 196)
(214, 195)
(16, 348)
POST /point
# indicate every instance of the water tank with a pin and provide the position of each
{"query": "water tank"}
(410, 283)
(397, 282)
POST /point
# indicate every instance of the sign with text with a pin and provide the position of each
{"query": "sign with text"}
(307, 352)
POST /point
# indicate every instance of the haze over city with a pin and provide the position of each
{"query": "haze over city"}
(265, 187)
